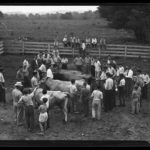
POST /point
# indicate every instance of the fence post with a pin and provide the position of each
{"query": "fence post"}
(23, 47)
(99, 51)
(49, 48)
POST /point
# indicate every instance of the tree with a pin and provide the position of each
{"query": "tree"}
(67, 15)
(135, 17)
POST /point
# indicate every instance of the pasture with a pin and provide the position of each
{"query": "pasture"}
(44, 29)
(116, 125)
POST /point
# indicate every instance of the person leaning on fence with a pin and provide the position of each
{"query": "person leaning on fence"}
(64, 62)
(88, 42)
(94, 42)
(65, 41)
(102, 44)
(18, 109)
(97, 96)
(84, 98)
(135, 100)
(26, 100)
(83, 48)
(2, 87)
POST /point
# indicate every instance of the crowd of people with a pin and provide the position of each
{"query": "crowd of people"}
(108, 80)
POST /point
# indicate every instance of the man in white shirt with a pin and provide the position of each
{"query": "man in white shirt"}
(97, 96)
(49, 73)
(121, 90)
(94, 42)
(42, 70)
(83, 48)
(129, 83)
(97, 65)
(34, 80)
(108, 101)
(73, 92)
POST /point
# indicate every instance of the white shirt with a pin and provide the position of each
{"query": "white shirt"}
(109, 84)
(73, 89)
(2, 78)
(42, 68)
(83, 46)
(34, 82)
(97, 95)
(97, 65)
(48, 98)
(130, 74)
(146, 78)
(64, 39)
(26, 63)
(94, 40)
(103, 76)
(122, 82)
(121, 70)
(49, 73)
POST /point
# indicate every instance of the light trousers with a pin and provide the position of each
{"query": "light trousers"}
(96, 109)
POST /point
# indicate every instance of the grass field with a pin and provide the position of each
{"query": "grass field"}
(44, 29)
(116, 125)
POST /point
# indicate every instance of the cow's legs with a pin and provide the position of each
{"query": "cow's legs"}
(65, 110)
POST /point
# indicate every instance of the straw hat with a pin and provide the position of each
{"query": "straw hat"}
(18, 84)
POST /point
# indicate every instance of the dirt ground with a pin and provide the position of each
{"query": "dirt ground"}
(119, 124)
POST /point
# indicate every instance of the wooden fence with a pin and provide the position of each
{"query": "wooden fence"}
(1, 47)
(16, 47)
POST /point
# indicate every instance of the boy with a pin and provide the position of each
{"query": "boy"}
(43, 117)
(135, 100)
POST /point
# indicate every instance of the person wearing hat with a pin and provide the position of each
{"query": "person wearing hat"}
(2, 86)
(108, 98)
(18, 109)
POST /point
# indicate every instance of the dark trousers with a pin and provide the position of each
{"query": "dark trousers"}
(2, 95)
(85, 106)
(26, 82)
(79, 67)
(93, 70)
(129, 87)
(144, 92)
(64, 66)
(29, 114)
(121, 92)
(108, 100)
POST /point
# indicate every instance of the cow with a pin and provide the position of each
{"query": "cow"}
(57, 98)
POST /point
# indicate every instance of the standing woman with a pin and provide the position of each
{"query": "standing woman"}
(2, 87)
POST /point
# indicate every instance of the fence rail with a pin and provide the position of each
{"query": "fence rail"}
(1, 47)
(21, 47)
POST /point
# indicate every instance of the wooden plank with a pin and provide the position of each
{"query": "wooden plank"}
(140, 50)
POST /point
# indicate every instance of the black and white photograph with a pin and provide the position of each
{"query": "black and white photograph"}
(75, 72)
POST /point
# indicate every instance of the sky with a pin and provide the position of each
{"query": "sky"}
(45, 9)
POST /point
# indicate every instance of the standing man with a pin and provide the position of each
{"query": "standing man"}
(79, 63)
(2, 87)
(87, 64)
(18, 109)
(97, 96)
(84, 98)
(97, 65)
(73, 92)
(129, 82)
(83, 46)
(108, 99)
(19, 75)
(34, 80)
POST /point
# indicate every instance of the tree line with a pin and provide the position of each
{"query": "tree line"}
(65, 16)
(135, 17)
